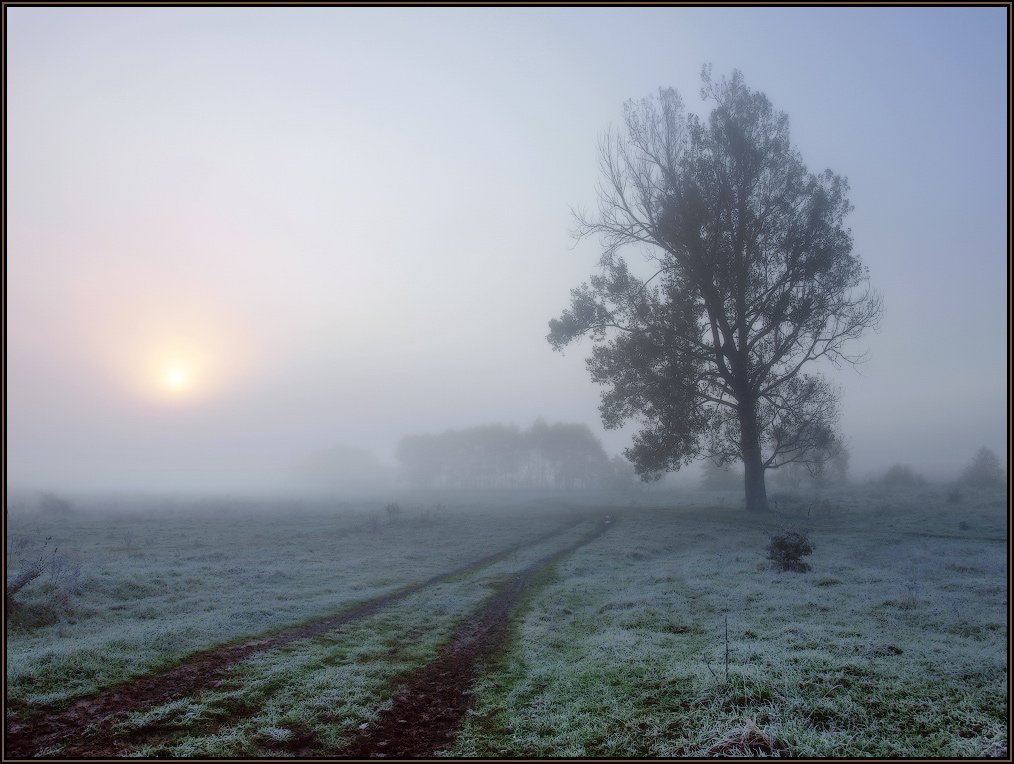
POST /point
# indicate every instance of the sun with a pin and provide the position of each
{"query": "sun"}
(176, 378)
(179, 354)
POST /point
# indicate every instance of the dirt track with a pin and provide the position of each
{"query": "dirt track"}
(84, 728)
(428, 709)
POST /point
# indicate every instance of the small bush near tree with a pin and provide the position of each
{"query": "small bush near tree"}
(787, 551)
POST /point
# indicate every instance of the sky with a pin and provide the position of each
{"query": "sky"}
(238, 236)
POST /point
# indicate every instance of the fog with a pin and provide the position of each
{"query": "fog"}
(244, 241)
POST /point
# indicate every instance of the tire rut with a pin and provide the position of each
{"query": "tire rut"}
(427, 711)
(84, 728)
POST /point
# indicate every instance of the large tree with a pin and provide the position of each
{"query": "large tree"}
(749, 278)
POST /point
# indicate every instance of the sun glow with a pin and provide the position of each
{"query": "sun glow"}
(181, 352)
(176, 378)
(178, 372)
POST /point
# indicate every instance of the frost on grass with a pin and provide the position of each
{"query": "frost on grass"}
(896, 647)
(611, 658)
(323, 689)
(157, 587)
(276, 734)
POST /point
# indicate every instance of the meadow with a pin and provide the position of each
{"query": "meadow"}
(668, 635)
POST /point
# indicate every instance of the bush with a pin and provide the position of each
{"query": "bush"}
(787, 550)
(902, 476)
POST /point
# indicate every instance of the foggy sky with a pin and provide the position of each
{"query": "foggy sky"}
(354, 223)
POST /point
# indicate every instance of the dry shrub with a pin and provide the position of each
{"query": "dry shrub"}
(748, 740)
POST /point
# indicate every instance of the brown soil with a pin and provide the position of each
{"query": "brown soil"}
(84, 728)
(428, 708)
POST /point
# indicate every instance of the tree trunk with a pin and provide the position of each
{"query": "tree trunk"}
(753, 465)
(753, 477)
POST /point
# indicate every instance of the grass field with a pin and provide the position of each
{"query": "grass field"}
(153, 589)
(894, 644)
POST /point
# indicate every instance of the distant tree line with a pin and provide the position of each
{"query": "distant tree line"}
(496, 456)
(984, 471)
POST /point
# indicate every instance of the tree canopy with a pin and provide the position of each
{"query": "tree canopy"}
(751, 278)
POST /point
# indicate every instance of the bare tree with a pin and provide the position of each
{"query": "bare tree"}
(753, 278)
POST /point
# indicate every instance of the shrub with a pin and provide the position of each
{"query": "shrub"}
(64, 580)
(902, 476)
(31, 569)
(787, 550)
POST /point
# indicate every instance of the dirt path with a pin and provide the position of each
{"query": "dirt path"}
(427, 711)
(84, 728)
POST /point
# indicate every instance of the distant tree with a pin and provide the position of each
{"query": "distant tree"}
(572, 452)
(790, 476)
(561, 455)
(984, 471)
(752, 278)
(622, 475)
(836, 469)
(716, 477)
(826, 469)
(902, 476)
